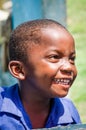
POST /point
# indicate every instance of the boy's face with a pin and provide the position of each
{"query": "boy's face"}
(50, 69)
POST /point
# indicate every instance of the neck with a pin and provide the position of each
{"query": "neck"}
(32, 98)
(37, 108)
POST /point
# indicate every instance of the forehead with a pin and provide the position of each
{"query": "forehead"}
(58, 35)
(54, 39)
(55, 32)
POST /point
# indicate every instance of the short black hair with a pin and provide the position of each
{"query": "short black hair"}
(25, 34)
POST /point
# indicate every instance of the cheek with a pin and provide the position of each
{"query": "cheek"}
(49, 69)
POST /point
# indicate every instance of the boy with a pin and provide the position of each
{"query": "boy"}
(42, 58)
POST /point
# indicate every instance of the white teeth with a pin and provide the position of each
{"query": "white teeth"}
(62, 81)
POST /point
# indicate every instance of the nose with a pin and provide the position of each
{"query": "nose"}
(67, 72)
(67, 68)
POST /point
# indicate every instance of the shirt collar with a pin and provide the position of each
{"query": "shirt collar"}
(60, 114)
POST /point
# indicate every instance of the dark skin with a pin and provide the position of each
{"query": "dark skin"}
(49, 72)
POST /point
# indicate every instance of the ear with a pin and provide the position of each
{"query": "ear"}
(16, 68)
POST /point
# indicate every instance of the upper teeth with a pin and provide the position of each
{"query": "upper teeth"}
(62, 81)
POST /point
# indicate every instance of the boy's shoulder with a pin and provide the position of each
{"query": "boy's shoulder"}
(7, 93)
(2, 91)
(7, 90)
(10, 106)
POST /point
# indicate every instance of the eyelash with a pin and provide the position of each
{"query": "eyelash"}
(54, 58)
(72, 59)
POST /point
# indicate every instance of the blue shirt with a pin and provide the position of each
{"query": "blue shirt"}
(14, 117)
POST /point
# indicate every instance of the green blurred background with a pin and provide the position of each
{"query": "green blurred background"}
(76, 21)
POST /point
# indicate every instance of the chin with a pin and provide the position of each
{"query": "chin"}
(61, 95)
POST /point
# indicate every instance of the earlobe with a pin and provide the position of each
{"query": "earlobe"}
(16, 68)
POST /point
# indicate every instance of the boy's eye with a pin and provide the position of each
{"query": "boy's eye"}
(72, 60)
(53, 58)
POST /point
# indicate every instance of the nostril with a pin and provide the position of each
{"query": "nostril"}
(68, 72)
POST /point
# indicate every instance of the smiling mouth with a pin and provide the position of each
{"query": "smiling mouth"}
(63, 81)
